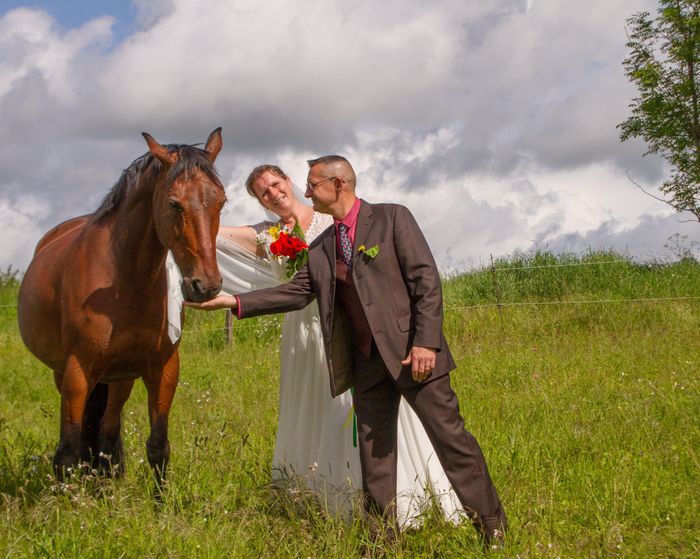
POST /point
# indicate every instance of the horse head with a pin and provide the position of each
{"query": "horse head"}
(186, 210)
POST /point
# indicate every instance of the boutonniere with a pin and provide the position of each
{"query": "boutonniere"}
(370, 252)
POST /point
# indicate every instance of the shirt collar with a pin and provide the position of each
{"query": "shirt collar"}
(351, 218)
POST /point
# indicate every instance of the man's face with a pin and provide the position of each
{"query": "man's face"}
(321, 188)
(274, 193)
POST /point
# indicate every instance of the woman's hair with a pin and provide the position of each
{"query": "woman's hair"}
(256, 173)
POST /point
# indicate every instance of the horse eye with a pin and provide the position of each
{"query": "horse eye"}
(175, 205)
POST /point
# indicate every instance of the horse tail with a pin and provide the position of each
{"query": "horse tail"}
(94, 410)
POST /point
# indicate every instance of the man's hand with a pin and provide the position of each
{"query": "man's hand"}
(422, 361)
(221, 301)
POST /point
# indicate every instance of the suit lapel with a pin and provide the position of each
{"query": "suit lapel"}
(364, 222)
(329, 249)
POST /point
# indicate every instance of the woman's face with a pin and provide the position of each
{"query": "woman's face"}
(274, 193)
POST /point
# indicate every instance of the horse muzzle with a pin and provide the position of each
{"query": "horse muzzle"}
(198, 290)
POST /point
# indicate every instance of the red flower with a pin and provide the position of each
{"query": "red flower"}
(291, 246)
(287, 245)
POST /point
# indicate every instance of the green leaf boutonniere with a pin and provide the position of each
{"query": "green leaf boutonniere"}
(370, 252)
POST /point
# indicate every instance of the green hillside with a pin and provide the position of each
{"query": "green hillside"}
(578, 375)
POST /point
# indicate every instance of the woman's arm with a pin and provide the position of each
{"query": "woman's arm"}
(244, 236)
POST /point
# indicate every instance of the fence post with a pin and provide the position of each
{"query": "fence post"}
(497, 291)
(229, 326)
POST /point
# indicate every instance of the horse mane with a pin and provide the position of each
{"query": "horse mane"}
(189, 160)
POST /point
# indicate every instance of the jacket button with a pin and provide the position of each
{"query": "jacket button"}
(328, 340)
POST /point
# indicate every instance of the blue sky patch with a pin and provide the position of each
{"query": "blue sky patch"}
(72, 14)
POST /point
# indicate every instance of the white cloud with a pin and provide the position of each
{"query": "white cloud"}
(31, 42)
(20, 229)
(151, 12)
(493, 121)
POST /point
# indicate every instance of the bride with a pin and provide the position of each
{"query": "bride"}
(316, 437)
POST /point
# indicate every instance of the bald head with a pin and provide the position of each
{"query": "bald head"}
(331, 185)
(336, 166)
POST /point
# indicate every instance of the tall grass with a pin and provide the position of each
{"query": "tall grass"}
(587, 413)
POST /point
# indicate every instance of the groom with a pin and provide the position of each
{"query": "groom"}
(380, 304)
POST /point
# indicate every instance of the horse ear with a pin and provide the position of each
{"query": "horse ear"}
(160, 152)
(214, 144)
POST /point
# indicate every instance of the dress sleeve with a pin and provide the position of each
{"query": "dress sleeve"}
(243, 271)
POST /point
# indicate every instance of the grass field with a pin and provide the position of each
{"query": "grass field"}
(586, 406)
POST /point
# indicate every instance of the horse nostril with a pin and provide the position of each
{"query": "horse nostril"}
(201, 290)
(197, 286)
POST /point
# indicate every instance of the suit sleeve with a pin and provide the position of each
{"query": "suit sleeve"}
(422, 279)
(291, 296)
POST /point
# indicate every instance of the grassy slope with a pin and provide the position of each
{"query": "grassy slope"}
(587, 414)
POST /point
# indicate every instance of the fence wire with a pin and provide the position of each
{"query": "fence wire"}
(247, 326)
(579, 302)
(491, 269)
(539, 267)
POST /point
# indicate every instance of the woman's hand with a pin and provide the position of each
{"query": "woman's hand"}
(221, 301)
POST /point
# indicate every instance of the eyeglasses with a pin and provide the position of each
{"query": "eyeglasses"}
(312, 186)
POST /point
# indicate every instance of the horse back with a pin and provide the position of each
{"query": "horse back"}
(62, 229)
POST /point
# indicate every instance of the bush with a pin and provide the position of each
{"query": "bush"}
(9, 278)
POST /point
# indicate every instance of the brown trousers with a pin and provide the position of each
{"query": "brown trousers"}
(376, 402)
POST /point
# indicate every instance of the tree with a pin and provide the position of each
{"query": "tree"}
(664, 64)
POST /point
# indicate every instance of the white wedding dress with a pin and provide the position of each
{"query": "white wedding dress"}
(316, 440)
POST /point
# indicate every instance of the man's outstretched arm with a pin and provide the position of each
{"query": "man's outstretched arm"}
(290, 296)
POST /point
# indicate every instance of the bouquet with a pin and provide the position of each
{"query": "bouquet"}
(290, 245)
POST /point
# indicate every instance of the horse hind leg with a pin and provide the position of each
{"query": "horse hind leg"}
(108, 452)
(90, 435)
(75, 389)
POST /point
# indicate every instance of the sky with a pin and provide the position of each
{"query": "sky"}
(494, 122)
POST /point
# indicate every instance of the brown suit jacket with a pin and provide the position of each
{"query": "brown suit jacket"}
(399, 289)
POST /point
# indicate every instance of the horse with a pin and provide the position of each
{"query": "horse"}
(92, 304)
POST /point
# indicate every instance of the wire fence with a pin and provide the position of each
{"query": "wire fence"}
(495, 268)
(228, 326)
(229, 323)
(578, 302)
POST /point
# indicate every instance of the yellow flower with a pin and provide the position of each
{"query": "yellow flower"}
(274, 232)
(361, 248)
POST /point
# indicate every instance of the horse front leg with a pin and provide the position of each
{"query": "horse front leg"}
(75, 387)
(161, 385)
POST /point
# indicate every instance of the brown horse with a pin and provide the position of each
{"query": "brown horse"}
(93, 302)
